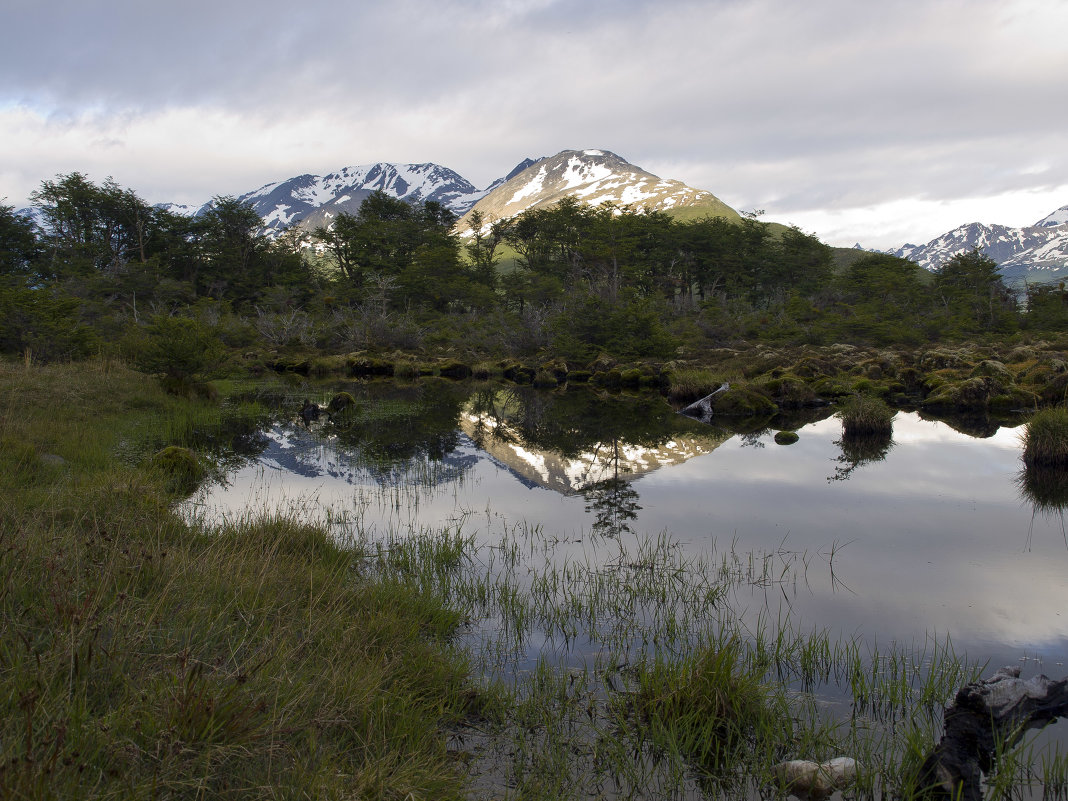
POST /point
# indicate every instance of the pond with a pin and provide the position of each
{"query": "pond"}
(928, 544)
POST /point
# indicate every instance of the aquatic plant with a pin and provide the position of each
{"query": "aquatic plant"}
(1045, 438)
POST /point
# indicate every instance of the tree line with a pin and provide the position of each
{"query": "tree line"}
(104, 266)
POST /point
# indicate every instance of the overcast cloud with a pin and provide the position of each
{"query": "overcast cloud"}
(859, 122)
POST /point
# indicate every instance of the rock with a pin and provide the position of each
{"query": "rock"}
(815, 781)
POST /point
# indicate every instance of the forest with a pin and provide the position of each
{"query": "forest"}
(102, 270)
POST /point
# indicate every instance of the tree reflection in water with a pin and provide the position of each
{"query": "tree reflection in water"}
(614, 503)
(858, 451)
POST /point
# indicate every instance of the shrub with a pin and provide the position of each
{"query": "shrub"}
(864, 415)
(1045, 438)
(178, 347)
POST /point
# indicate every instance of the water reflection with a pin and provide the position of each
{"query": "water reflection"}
(614, 503)
(938, 540)
(859, 450)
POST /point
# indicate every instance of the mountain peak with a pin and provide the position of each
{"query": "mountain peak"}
(1059, 217)
(593, 177)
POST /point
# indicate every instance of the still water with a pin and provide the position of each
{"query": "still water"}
(923, 538)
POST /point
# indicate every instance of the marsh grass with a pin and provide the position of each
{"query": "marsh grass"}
(1045, 438)
(140, 658)
(634, 675)
(866, 415)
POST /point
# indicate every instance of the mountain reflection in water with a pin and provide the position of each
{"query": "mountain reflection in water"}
(930, 536)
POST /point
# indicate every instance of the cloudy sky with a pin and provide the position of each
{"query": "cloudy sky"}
(874, 122)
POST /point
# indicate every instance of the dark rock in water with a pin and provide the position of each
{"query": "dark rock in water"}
(986, 714)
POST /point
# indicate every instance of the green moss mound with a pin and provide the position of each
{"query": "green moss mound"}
(786, 437)
(741, 401)
(545, 380)
(340, 402)
(181, 467)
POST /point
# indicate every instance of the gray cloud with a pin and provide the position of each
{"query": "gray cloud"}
(798, 108)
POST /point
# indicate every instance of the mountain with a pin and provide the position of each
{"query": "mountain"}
(1036, 252)
(313, 200)
(593, 177)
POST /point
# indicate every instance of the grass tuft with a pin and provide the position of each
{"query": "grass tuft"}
(866, 415)
(1045, 438)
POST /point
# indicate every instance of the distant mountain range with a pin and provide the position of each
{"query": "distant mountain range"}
(1034, 253)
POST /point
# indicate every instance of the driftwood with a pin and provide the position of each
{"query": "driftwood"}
(702, 409)
(986, 714)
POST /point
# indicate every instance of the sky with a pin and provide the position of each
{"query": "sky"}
(878, 123)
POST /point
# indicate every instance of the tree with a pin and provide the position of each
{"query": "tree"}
(91, 228)
(18, 243)
(972, 293)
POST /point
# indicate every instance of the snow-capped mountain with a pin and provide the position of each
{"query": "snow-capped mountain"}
(1036, 252)
(313, 200)
(593, 177)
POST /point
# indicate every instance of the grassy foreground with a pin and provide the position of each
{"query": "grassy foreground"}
(142, 659)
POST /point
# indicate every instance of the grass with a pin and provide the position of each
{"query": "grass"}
(1045, 438)
(866, 415)
(141, 658)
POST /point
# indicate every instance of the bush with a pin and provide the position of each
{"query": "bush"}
(177, 347)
